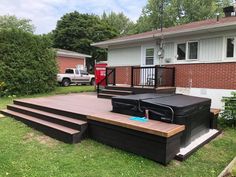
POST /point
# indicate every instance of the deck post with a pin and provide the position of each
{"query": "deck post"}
(132, 76)
(156, 77)
(106, 76)
(114, 76)
(173, 82)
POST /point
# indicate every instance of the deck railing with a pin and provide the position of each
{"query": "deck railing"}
(152, 76)
(110, 78)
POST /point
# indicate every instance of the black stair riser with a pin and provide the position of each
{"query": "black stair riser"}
(48, 118)
(51, 110)
(134, 90)
(54, 133)
(105, 96)
(115, 93)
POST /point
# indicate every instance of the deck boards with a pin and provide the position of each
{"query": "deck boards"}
(100, 110)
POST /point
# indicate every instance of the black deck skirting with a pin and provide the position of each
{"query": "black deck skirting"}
(159, 149)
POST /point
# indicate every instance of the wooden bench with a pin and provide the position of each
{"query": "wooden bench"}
(155, 140)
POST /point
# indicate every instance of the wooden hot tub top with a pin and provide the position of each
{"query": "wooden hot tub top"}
(151, 126)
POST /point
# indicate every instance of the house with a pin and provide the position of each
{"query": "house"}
(70, 59)
(203, 54)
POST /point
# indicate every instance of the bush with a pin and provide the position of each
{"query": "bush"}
(27, 63)
(228, 116)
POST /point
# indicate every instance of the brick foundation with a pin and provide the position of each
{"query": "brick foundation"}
(205, 75)
(212, 75)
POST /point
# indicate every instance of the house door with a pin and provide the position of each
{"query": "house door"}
(149, 60)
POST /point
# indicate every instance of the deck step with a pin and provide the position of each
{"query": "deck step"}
(62, 133)
(50, 109)
(50, 117)
(116, 92)
(106, 95)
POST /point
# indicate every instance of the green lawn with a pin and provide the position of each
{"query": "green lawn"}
(234, 170)
(25, 152)
(58, 90)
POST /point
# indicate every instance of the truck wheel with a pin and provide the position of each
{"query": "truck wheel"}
(65, 82)
(92, 82)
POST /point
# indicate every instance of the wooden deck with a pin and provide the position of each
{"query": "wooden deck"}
(73, 117)
(93, 108)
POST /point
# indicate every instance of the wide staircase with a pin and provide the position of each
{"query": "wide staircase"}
(61, 125)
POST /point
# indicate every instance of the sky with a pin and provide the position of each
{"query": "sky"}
(45, 13)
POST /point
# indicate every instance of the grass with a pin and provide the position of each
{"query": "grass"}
(234, 170)
(58, 90)
(25, 152)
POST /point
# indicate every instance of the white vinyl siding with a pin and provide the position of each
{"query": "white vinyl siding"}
(130, 56)
(211, 49)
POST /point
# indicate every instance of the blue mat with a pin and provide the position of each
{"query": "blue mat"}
(139, 119)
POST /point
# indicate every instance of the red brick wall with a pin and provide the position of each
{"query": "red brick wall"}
(123, 75)
(214, 75)
(205, 75)
(67, 62)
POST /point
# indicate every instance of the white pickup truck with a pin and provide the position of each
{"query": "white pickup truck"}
(75, 76)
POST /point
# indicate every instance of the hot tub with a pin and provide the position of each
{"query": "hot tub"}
(193, 112)
(130, 104)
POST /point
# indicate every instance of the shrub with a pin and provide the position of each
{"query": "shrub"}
(228, 116)
(27, 63)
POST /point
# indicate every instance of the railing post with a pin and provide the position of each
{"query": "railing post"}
(156, 77)
(173, 82)
(106, 76)
(114, 76)
(132, 76)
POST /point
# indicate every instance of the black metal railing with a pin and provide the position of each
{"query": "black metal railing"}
(110, 78)
(152, 76)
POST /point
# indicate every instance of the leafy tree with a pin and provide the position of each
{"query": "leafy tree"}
(75, 31)
(27, 63)
(11, 22)
(121, 23)
(177, 12)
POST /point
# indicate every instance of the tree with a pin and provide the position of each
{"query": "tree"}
(121, 23)
(11, 22)
(177, 12)
(27, 63)
(75, 31)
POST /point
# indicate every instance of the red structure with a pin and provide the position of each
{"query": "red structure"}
(100, 72)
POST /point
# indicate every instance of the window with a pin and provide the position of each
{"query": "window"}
(76, 71)
(187, 51)
(150, 56)
(83, 72)
(181, 51)
(69, 71)
(192, 50)
(230, 47)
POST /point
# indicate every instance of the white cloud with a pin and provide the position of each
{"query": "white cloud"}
(45, 13)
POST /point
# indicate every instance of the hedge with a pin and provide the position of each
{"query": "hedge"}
(27, 63)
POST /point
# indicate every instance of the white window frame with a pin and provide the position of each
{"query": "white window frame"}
(225, 48)
(149, 56)
(143, 54)
(187, 51)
